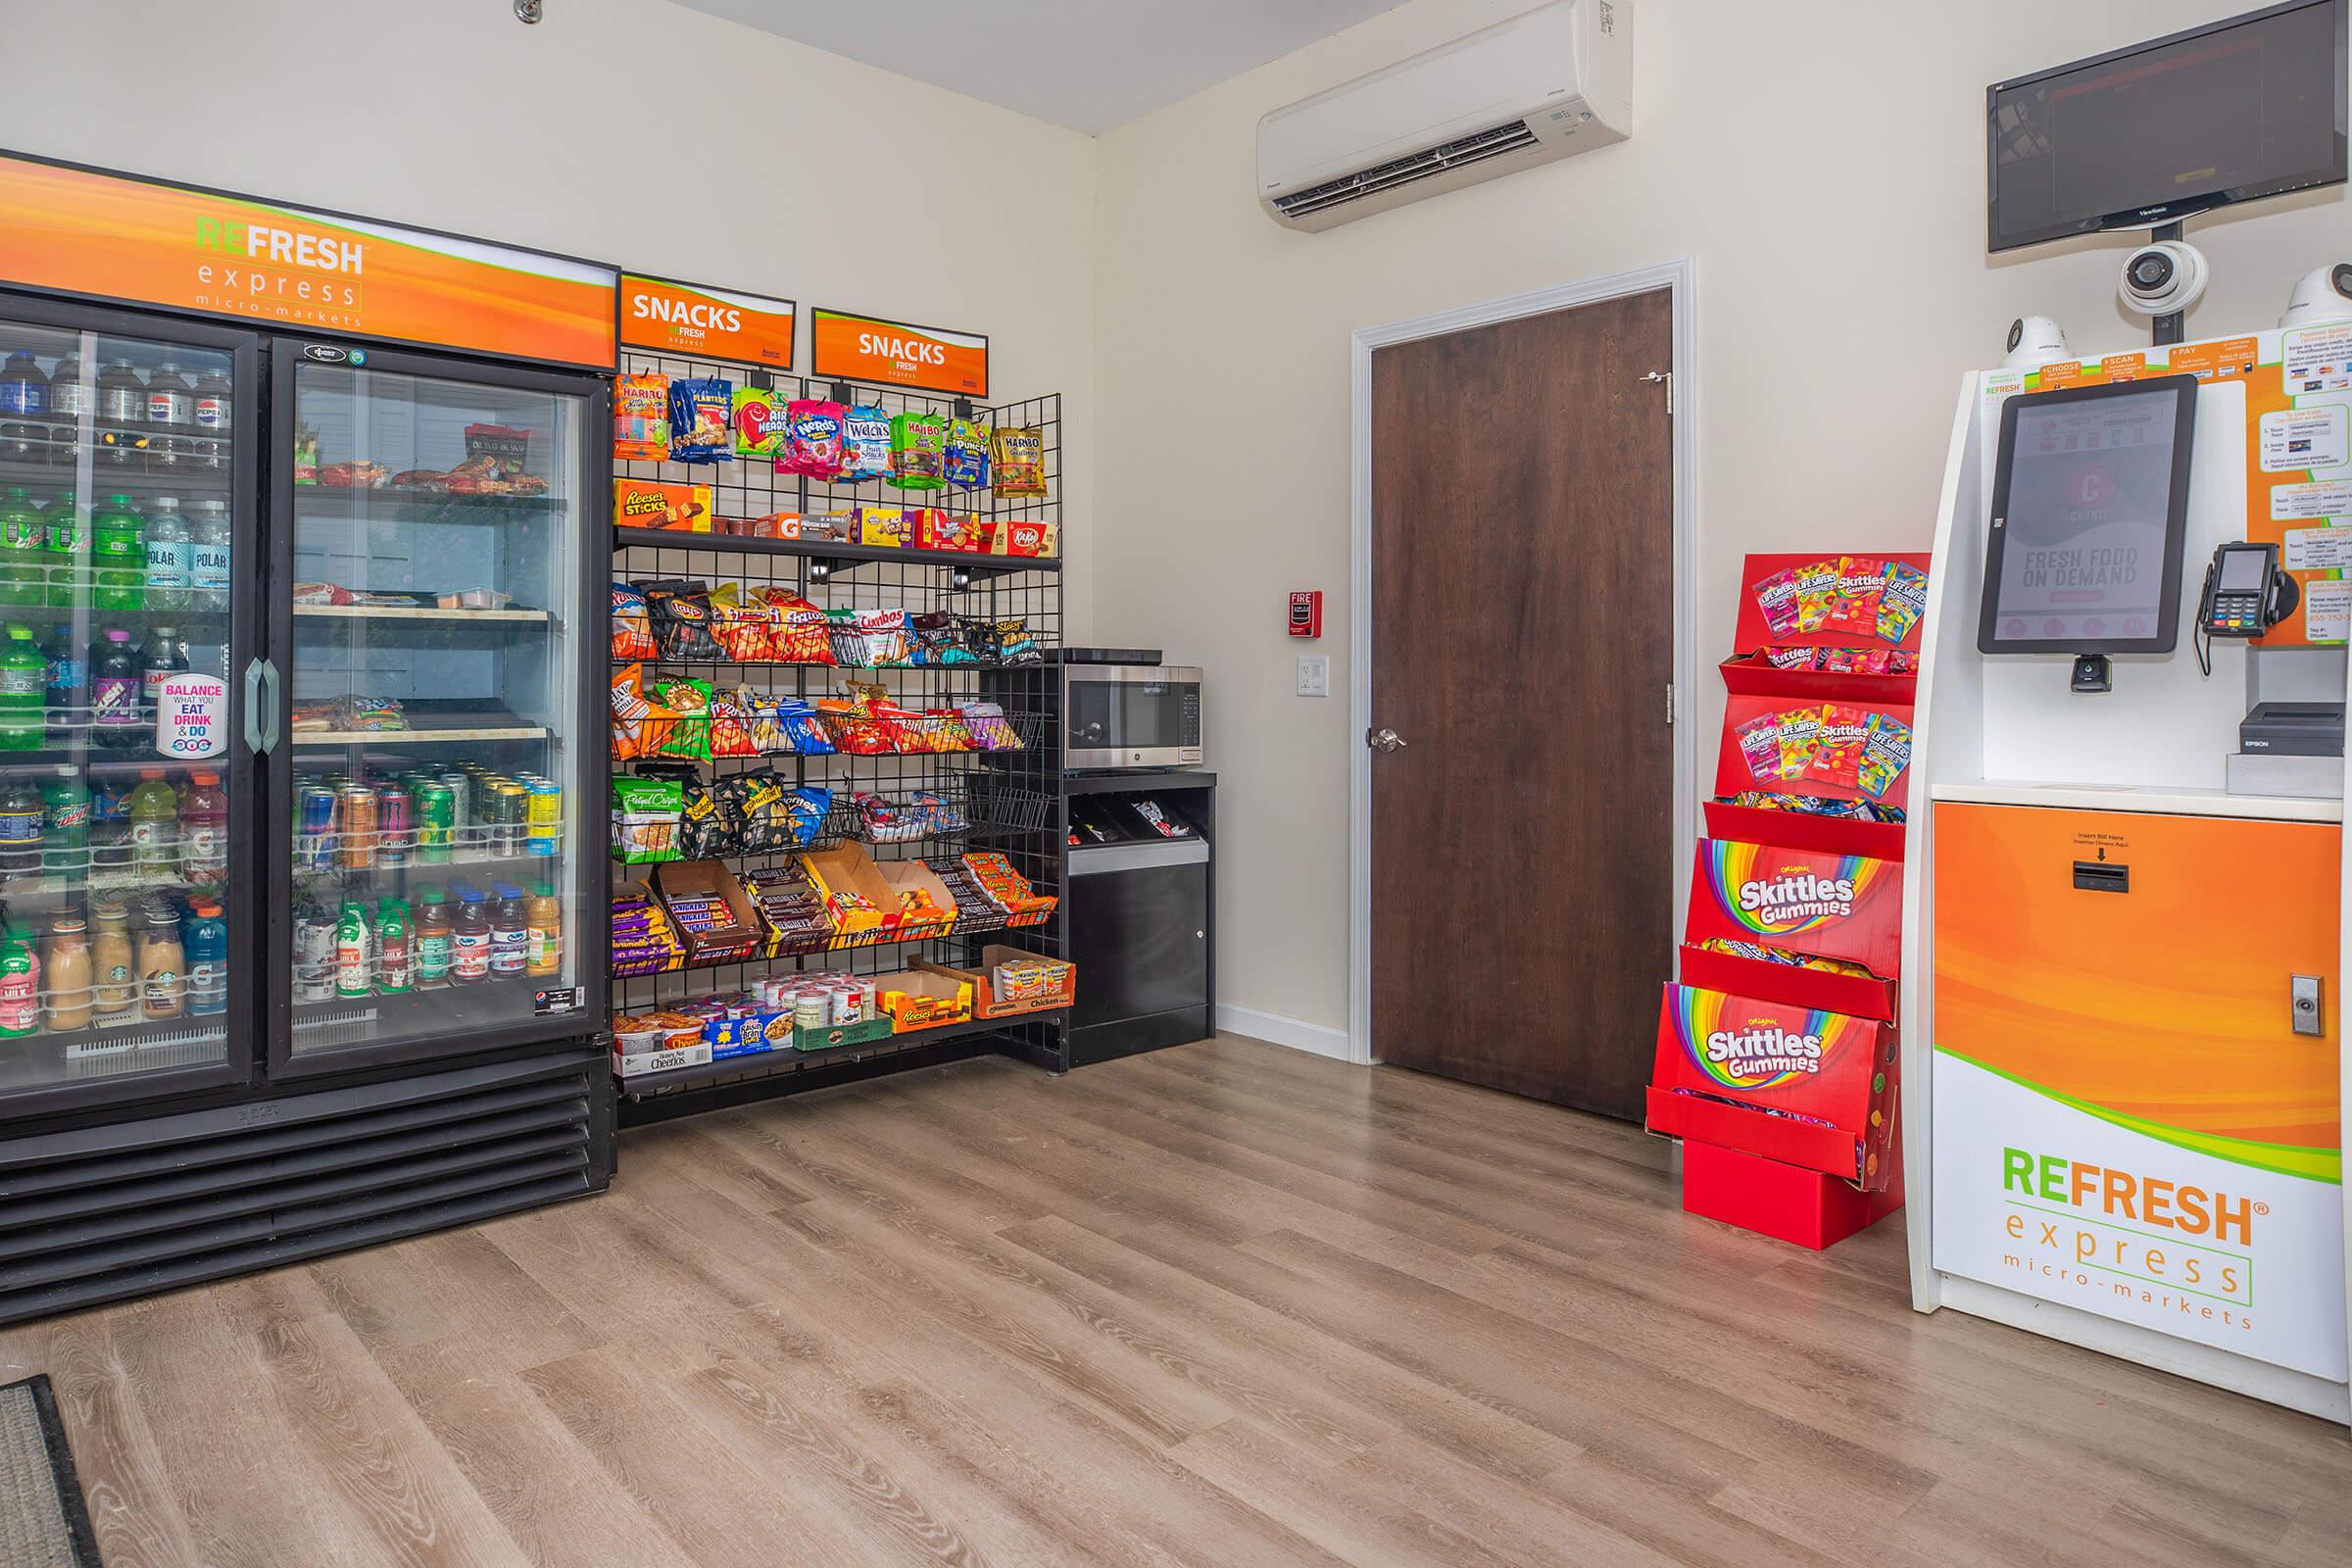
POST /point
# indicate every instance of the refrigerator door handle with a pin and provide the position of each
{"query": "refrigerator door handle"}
(260, 706)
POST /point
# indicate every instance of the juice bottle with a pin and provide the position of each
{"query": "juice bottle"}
(207, 941)
(162, 965)
(66, 963)
(23, 556)
(355, 956)
(544, 943)
(509, 933)
(154, 810)
(395, 952)
(469, 941)
(204, 831)
(170, 556)
(64, 827)
(62, 524)
(19, 828)
(23, 684)
(111, 961)
(208, 558)
(118, 555)
(115, 692)
(122, 416)
(19, 988)
(432, 939)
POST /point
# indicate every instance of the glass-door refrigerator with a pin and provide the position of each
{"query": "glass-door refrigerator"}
(129, 608)
(435, 887)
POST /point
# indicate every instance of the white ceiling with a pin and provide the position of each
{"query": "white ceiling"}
(1086, 63)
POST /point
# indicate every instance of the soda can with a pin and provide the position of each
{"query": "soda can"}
(543, 817)
(507, 805)
(436, 821)
(461, 806)
(395, 826)
(355, 829)
(315, 828)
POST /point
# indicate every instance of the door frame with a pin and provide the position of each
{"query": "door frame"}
(1680, 278)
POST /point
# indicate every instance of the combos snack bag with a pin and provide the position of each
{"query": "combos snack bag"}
(700, 414)
(864, 444)
(966, 460)
(1020, 460)
(812, 432)
(918, 451)
(758, 422)
(640, 419)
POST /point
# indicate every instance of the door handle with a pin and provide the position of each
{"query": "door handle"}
(260, 706)
(1384, 740)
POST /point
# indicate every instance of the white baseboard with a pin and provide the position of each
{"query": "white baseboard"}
(1277, 1029)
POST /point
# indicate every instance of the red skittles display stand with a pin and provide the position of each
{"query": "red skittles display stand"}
(1775, 1051)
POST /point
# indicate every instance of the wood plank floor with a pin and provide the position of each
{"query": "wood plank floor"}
(1227, 1303)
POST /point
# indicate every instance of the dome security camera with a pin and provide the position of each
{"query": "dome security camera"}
(2034, 342)
(2323, 295)
(2163, 278)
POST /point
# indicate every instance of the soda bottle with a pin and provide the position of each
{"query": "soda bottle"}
(19, 828)
(115, 692)
(166, 656)
(204, 831)
(216, 409)
(469, 941)
(170, 556)
(61, 521)
(23, 536)
(355, 965)
(23, 406)
(154, 812)
(207, 939)
(19, 988)
(122, 416)
(23, 684)
(171, 417)
(395, 957)
(208, 558)
(66, 698)
(163, 964)
(118, 555)
(543, 944)
(432, 939)
(509, 933)
(70, 396)
(64, 827)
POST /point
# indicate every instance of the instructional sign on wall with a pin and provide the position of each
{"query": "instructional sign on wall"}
(880, 353)
(191, 717)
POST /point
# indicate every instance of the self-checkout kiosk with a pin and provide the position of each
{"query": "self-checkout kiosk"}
(2123, 1079)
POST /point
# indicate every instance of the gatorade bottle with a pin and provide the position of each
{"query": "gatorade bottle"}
(122, 416)
(215, 407)
(432, 939)
(207, 560)
(542, 943)
(66, 697)
(206, 939)
(170, 556)
(354, 964)
(395, 956)
(171, 417)
(510, 934)
(204, 831)
(469, 941)
(166, 656)
(24, 683)
(19, 829)
(118, 555)
(19, 988)
(154, 828)
(64, 827)
(115, 693)
(24, 564)
(62, 522)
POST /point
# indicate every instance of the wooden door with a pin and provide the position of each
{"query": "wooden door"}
(1522, 637)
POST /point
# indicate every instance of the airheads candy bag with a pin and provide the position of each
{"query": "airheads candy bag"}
(811, 438)
(1854, 607)
(918, 455)
(967, 453)
(1903, 601)
(864, 444)
(758, 422)
(640, 419)
(699, 412)
(1020, 452)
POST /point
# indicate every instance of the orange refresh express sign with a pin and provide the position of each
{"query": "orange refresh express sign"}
(686, 318)
(879, 352)
(109, 236)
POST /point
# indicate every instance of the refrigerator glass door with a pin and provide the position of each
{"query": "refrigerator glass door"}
(435, 792)
(123, 781)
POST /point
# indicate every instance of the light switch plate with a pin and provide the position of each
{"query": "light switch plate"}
(1314, 674)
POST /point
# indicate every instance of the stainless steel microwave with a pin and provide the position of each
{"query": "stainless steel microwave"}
(1130, 715)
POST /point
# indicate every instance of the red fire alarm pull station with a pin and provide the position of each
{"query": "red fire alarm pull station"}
(1306, 614)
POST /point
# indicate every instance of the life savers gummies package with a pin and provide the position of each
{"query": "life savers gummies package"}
(918, 451)
(1884, 754)
(1816, 586)
(811, 438)
(640, 419)
(701, 414)
(1019, 452)
(864, 444)
(1902, 603)
(966, 461)
(1776, 596)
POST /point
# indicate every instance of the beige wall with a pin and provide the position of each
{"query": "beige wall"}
(626, 131)
(1823, 163)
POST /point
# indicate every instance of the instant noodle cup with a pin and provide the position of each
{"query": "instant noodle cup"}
(811, 438)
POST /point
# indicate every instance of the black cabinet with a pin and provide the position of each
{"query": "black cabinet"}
(1138, 915)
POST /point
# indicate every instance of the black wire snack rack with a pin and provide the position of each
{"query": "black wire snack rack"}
(1005, 802)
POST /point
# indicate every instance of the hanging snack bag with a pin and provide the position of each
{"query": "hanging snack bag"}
(690, 700)
(1844, 730)
(1854, 608)
(701, 414)
(640, 419)
(801, 634)
(1902, 603)
(1020, 452)
(759, 422)
(632, 625)
(811, 438)
(918, 451)
(1816, 586)
(731, 726)
(966, 463)
(682, 621)
(864, 444)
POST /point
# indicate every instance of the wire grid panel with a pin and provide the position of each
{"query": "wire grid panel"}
(1010, 801)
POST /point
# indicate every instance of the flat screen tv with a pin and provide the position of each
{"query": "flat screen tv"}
(2245, 108)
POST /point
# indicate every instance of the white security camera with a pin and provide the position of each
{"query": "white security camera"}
(2034, 342)
(2162, 278)
(2323, 295)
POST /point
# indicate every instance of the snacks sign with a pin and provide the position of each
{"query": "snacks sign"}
(879, 352)
(111, 236)
(686, 318)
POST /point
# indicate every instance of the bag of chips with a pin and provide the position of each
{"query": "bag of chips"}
(758, 422)
(918, 451)
(632, 625)
(646, 818)
(639, 723)
(990, 729)
(947, 730)
(966, 457)
(682, 621)
(1004, 641)
(868, 639)
(701, 411)
(801, 731)
(802, 634)
(704, 832)
(852, 728)
(731, 726)
(640, 419)
(935, 639)
(690, 700)
(811, 438)
(937, 815)
(742, 625)
(864, 444)
(754, 804)
(881, 821)
(806, 809)
(1020, 460)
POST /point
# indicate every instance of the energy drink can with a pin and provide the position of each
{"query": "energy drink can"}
(461, 809)
(314, 955)
(543, 817)
(436, 821)
(355, 829)
(315, 828)
(395, 826)
(507, 807)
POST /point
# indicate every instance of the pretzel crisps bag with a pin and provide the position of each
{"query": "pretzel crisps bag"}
(1019, 452)
(918, 451)
(965, 463)
(811, 438)
(864, 444)
(702, 412)
(646, 818)
(640, 419)
(632, 625)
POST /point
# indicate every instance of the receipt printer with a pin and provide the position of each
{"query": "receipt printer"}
(2293, 729)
